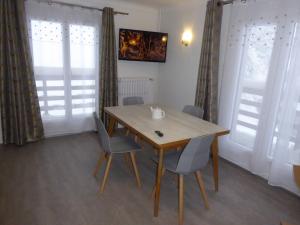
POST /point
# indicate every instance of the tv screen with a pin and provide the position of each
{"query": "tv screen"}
(136, 45)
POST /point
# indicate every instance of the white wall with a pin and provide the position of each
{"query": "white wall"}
(178, 76)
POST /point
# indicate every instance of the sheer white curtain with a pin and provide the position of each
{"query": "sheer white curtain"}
(260, 89)
(64, 42)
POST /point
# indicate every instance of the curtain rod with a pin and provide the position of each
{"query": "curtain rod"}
(224, 2)
(227, 2)
(77, 5)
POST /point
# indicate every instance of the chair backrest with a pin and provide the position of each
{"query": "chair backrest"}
(102, 133)
(134, 100)
(194, 111)
(195, 155)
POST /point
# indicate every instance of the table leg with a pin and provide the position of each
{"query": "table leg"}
(158, 181)
(111, 126)
(296, 170)
(215, 158)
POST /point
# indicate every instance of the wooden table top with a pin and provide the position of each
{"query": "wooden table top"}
(176, 126)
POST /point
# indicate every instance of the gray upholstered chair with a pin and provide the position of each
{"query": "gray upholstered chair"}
(192, 159)
(134, 100)
(112, 146)
(194, 111)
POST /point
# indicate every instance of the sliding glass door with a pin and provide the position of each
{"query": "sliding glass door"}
(254, 71)
(260, 89)
(65, 55)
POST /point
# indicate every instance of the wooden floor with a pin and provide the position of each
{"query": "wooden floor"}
(51, 183)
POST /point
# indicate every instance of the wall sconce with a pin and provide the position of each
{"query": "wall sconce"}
(187, 38)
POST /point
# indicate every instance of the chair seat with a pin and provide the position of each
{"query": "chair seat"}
(170, 161)
(123, 144)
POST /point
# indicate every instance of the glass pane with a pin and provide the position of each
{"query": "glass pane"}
(258, 54)
(55, 93)
(82, 47)
(79, 111)
(253, 77)
(291, 94)
(57, 112)
(249, 108)
(40, 93)
(42, 103)
(47, 43)
(39, 83)
(56, 103)
(83, 82)
(48, 56)
(85, 104)
(83, 92)
(55, 83)
(83, 101)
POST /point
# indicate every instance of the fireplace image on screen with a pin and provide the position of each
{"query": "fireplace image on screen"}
(138, 45)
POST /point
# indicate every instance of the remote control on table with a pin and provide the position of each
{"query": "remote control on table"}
(159, 133)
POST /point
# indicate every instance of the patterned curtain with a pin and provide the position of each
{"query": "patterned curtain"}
(20, 112)
(207, 85)
(108, 87)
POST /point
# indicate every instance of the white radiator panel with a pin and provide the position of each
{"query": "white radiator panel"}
(136, 86)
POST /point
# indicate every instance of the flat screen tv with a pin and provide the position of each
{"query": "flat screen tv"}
(137, 45)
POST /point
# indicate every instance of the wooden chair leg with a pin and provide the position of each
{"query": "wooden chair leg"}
(98, 166)
(154, 187)
(202, 188)
(181, 199)
(136, 171)
(106, 173)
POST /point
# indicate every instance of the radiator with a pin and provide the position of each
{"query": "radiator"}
(136, 86)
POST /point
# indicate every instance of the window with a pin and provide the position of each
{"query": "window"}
(65, 46)
(260, 89)
(256, 59)
(64, 58)
(293, 99)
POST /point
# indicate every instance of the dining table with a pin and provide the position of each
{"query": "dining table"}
(177, 129)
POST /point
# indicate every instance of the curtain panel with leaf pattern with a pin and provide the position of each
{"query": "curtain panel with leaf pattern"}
(108, 86)
(20, 112)
(207, 85)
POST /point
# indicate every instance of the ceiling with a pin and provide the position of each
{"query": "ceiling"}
(154, 3)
